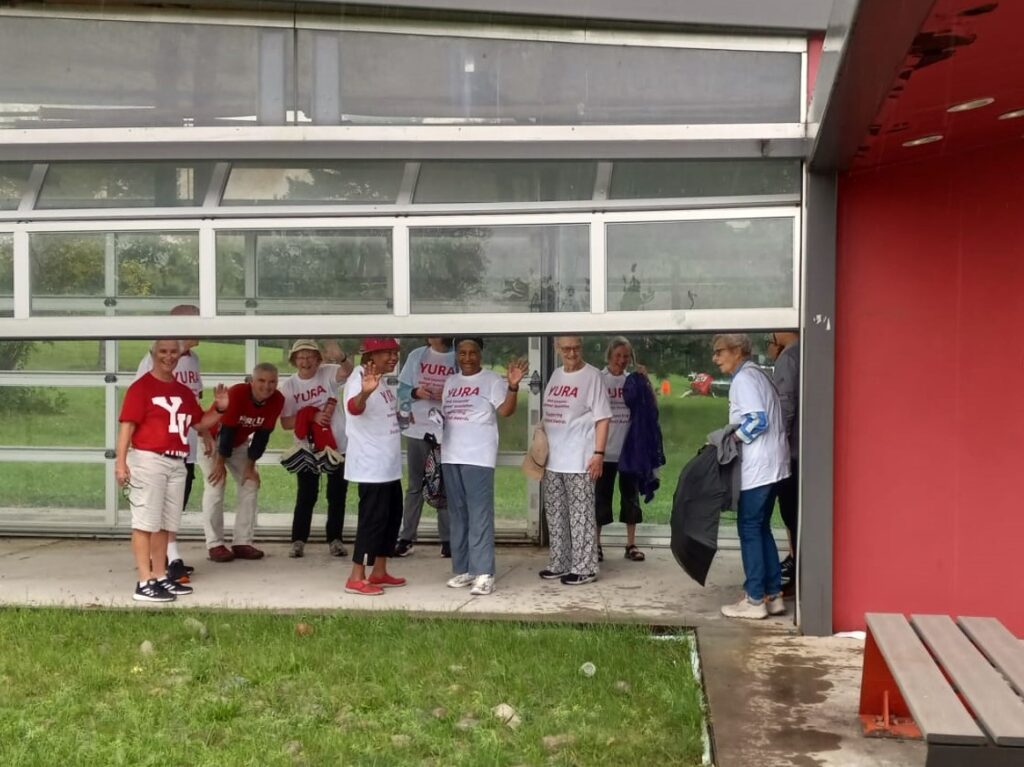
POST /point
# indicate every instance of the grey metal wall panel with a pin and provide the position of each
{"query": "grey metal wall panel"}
(778, 14)
(817, 406)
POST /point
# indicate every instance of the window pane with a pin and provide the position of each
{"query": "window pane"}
(52, 416)
(541, 268)
(6, 275)
(336, 183)
(645, 179)
(53, 487)
(124, 185)
(441, 182)
(52, 356)
(433, 79)
(726, 264)
(152, 272)
(83, 73)
(304, 272)
(12, 183)
(215, 356)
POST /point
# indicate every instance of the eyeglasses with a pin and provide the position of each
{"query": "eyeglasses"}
(722, 350)
(570, 349)
(773, 342)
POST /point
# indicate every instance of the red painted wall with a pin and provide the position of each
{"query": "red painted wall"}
(929, 460)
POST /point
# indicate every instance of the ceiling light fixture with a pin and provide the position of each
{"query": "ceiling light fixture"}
(967, 106)
(924, 140)
(1011, 115)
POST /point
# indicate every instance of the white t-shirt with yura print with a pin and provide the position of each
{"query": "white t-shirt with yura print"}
(314, 392)
(620, 415)
(573, 403)
(374, 442)
(470, 418)
(426, 367)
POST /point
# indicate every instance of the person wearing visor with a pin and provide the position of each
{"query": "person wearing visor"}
(315, 385)
(374, 461)
(471, 402)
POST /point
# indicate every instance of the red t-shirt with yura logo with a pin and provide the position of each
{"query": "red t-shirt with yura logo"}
(163, 412)
(246, 415)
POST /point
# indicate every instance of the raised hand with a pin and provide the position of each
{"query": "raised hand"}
(220, 397)
(517, 368)
(371, 378)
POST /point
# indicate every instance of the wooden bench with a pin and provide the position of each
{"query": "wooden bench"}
(958, 686)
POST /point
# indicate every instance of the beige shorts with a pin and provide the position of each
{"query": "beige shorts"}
(156, 491)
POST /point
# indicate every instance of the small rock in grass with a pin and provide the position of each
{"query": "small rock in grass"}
(303, 629)
(293, 747)
(507, 715)
(622, 686)
(455, 668)
(555, 742)
(588, 669)
(440, 712)
(467, 723)
(146, 648)
(400, 741)
(196, 627)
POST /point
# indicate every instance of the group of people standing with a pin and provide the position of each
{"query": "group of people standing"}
(443, 396)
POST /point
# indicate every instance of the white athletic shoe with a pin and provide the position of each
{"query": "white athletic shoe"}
(483, 586)
(458, 581)
(775, 605)
(746, 609)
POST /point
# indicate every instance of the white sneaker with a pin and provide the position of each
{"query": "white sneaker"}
(483, 586)
(458, 581)
(746, 609)
(775, 605)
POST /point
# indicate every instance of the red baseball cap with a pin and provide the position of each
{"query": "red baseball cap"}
(378, 344)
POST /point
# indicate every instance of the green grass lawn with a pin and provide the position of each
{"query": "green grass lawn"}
(685, 422)
(360, 689)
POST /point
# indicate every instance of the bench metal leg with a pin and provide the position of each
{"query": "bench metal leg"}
(883, 711)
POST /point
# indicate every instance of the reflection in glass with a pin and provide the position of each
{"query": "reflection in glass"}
(724, 264)
(58, 416)
(136, 74)
(505, 181)
(6, 275)
(435, 79)
(52, 356)
(12, 184)
(124, 185)
(339, 183)
(536, 268)
(53, 487)
(219, 356)
(648, 179)
(152, 271)
(342, 271)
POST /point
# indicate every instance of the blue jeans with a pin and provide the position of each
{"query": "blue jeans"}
(757, 544)
(470, 491)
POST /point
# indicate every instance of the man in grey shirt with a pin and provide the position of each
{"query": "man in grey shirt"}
(784, 348)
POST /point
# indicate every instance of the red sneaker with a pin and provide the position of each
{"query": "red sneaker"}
(246, 552)
(221, 554)
(386, 580)
(364, 588)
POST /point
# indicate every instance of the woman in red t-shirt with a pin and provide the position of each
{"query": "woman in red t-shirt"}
(156, 416)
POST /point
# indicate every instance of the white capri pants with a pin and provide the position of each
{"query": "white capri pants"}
(156, 490)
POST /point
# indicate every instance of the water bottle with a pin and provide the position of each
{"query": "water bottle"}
(404, 414)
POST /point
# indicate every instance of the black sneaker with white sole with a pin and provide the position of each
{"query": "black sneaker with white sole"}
(578, 579)
(403, 548)
(551, 575)
(152, 591)
(175, 588)
(177, 570)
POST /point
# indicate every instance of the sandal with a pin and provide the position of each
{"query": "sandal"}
(634, 554)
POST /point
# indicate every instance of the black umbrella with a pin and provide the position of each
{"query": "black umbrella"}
(702, 494)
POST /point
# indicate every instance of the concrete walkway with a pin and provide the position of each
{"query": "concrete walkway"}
(776, 698)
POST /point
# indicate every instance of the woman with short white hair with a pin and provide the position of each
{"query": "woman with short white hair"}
(755, 410)
(576, 416)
